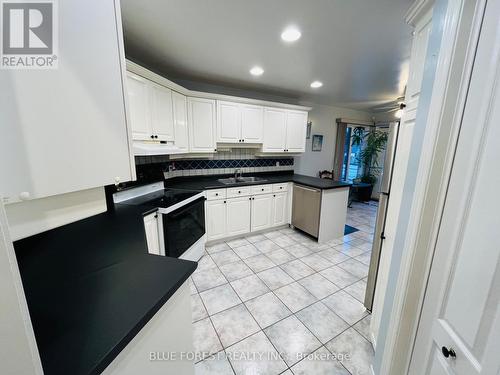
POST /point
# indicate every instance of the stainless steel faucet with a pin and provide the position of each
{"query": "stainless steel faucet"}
(236, 173)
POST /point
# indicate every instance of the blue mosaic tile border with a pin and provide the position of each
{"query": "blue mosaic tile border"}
(238, 163)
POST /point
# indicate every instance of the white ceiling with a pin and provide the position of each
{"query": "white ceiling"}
(359, 49)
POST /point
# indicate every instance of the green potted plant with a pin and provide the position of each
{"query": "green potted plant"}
(373, 142)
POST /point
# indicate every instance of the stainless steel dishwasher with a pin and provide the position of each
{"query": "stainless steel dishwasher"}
(306, 209)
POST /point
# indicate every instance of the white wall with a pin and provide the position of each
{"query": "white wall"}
(38, 215)
(323, 122)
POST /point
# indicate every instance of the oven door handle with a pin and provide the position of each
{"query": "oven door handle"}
(186, 207)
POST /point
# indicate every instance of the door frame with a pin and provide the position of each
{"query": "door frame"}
(487, 75)
(460, 22)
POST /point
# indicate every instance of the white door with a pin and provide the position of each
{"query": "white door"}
(262, 211)
(252, 123)
(274, 130)
(139, 108)
(179, 107)
(201, 120)
(459, 329)
(228, 122)
(152, 234)
(162, 121)
(296, 125)
(238, 216)
(216, 219)
(280, 209)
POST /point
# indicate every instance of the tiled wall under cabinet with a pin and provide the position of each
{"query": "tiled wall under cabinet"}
(223, 162)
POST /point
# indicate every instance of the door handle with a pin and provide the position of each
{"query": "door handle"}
(448, 352)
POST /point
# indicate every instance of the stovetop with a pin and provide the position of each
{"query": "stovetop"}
(162, 198)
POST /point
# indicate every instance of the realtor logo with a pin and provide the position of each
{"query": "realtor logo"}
(28, 34)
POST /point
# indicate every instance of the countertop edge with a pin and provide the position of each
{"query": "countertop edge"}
(118, 348)
(295, 178)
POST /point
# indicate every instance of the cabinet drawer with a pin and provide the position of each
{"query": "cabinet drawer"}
(238, 191)
(262, 189)
(280, 187)
(216, 194)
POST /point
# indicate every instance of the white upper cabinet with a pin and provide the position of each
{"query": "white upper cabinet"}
(162, 122)
(239, 123)
(65, 129)
(179, 107)
(296, 125)
(274, 130)
(150, 107)
(139, 106)
(284, 130)
(252, 123)
(159, 112)
(201, 124)
(228, 122)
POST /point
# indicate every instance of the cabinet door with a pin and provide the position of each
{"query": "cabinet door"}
(139, 107)
(162, 121)
(238, 216)
(152, 235)
(280, 204)
(179, 106)
(228, 122)
(262, 208)
(296, 125)
(201, 121)
(216, 219)
(274, 130)
(252, 123)
(65, 130)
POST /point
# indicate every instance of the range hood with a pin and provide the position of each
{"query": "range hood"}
(155, 148)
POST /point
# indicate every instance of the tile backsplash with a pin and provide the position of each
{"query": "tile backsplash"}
(223, 162)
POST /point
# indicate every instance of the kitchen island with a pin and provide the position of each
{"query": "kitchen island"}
(95, 294)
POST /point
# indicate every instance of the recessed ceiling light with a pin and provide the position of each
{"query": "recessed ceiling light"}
(291, 34)
(316, 84)
(256, 71)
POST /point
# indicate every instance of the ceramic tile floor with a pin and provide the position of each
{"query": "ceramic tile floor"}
(279, 303)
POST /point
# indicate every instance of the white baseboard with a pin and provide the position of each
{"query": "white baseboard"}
(219, 240)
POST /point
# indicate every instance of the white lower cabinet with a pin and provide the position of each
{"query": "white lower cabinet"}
(152, 233)
(254, 211)
(238, 216)
(279, 207)
(262, 212)
(216, 221)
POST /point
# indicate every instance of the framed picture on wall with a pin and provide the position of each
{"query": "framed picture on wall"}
(317, 142)
(308, 133)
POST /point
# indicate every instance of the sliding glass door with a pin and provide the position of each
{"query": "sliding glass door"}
(351, 167)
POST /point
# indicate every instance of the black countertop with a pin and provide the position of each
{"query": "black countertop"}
(211, 182)
(91, 286)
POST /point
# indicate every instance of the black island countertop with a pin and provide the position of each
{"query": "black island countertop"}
(211, 181)
(91, 286)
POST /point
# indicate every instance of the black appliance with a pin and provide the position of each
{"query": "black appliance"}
(183, 227)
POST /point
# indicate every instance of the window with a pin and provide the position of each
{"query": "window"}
(351, 165)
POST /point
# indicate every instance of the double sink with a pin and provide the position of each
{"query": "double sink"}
(240, 180)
